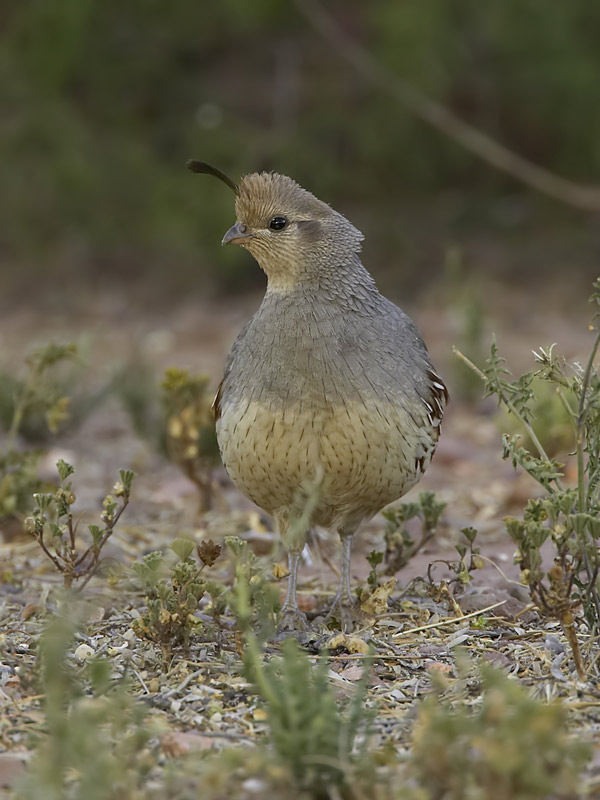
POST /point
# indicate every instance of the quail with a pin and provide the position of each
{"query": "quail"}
(329, 408)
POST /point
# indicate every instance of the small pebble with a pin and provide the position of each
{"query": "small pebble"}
(83, 652)
(553, 644)
(254, 785)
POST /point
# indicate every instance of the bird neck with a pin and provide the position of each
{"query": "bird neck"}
(344, 283)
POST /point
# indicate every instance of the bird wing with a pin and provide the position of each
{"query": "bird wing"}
(216, 403)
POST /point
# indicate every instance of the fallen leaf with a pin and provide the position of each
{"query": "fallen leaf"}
(280, 571)
(352, 644)
(377, 602)
(437, 666)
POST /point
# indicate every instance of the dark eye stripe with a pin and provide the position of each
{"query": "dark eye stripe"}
(278, 223)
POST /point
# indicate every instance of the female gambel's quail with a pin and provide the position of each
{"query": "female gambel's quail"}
(329, 408)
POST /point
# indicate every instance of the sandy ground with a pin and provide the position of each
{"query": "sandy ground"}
(467, 472)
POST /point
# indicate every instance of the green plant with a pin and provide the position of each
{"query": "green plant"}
(321, 745)
(96, 739)
(55, 531)
(56, 393)
(566, 516)
(174, 592)
(33, 395)
(18, 481)
(469, 560)
(317, 745)
(177, 421)
(510, 747)
(171, 600)
(191, 439)
(552, 421)
(511, 80)
(466, 312)
(18, 468)
(253, 598)
(374, 559)
(400, 546)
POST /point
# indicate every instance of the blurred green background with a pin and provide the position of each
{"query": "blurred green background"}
(102, 102)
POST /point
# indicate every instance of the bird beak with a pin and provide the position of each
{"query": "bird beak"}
(237, 234)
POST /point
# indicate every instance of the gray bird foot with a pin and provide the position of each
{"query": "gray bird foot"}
(291, 619)
(347, 610)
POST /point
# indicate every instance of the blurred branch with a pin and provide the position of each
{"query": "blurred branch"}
(437, 115)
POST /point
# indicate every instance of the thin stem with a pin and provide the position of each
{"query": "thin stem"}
(19, 410)
(255, 663)
(587, 375)
(106, 536)
(469, 363)
(52, 558)
(531, 433)
(567, 406)
(71, 534)
(581, 414)
(426, 535)
(581, 488)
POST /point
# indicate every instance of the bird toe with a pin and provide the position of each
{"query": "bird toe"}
(291, 619)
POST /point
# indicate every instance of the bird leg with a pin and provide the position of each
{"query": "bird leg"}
(290, 616)
(343, 600)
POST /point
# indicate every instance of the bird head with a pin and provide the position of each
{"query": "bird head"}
(294, 236)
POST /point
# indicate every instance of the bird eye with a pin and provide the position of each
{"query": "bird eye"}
(278, 223)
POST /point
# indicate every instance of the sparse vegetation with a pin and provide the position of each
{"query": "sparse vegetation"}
(469, 560)
(565, 517)
(35, 397)
(23, 400)
(400, 545)
(510, 746)
(191, 440)
(95, 741)
(174, 592)
(171, 600)
(322, 747)
(553, 424)
(55, 530)
(192, 648)
(177, 420)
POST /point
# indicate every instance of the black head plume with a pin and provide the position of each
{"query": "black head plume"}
(208, 169)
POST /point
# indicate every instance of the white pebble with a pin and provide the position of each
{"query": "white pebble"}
(254, 785)
(83, 652)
